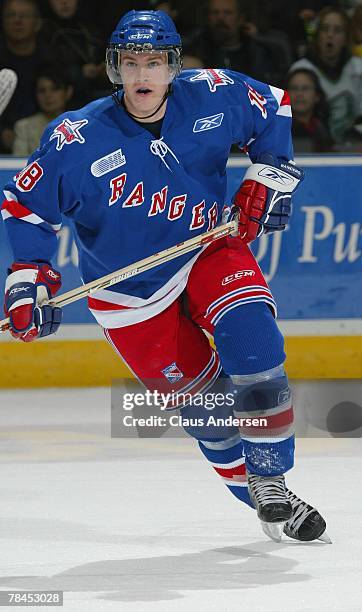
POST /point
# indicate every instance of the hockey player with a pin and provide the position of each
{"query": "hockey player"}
(142, 170)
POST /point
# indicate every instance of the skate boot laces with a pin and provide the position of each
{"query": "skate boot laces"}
(301, 510)
(267, 490)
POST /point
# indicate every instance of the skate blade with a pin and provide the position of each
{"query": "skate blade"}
(274, 531)
(325, 538)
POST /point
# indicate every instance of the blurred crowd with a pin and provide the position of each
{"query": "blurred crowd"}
(311, 48)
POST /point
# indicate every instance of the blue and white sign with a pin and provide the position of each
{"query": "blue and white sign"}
(314, 268)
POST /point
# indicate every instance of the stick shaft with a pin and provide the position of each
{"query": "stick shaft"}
(139, 266)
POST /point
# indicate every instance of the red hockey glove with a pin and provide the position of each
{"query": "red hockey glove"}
(264, 198)
(27, 287)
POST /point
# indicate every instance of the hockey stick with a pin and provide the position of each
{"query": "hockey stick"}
(8, 82)
(139, 266)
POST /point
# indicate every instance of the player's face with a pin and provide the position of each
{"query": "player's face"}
(332, 36)
(145, 79)
(303, 95)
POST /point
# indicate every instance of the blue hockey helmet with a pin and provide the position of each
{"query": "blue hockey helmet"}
(144, 32)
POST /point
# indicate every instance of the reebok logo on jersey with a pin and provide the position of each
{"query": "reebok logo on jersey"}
(208, 123)
(172, 373)
(68, 132)
(108, 162)
(277, 176)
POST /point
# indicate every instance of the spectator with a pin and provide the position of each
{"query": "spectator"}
(224, 43)
(20, 50)
(168, 6)
(356, 32)
(273, 23)
(77, 46)
(53, 92)
(188, 18)
(349, 5)
(106, 14)
(340, 75)
(307, 21)
(310, 112)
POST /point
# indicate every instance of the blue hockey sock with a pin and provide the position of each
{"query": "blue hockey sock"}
(251, 351)
(248, 340)
(227, 459)
(220, 444)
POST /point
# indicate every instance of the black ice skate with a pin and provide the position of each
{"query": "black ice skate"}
(306, 524)
(268, 494)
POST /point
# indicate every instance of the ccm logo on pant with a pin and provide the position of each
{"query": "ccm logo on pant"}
(236, 276)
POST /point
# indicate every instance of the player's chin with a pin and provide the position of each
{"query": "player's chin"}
(144, 99)
(148, 104)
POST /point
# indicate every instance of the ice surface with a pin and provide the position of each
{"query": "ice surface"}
(146, 525)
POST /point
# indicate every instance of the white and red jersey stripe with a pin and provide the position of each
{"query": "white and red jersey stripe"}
(11, 207)
(283, 99)
(113, 310)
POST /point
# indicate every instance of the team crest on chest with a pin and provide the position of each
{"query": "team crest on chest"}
(213, 77)
(68, 132)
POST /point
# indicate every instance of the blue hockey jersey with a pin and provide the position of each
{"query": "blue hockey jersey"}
(128, 194)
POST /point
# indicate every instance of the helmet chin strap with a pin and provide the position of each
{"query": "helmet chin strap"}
(165, 96)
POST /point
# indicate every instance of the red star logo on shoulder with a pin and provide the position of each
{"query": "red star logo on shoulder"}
(213, 77)
(67, 132)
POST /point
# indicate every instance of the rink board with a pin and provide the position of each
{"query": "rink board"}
(314, 271)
